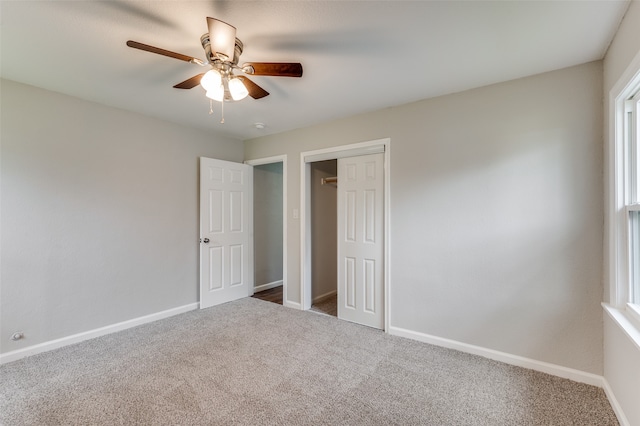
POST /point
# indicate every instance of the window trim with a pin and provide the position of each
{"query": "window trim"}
(633, 311)
(618, 207)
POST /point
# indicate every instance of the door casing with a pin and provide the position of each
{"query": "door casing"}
(307, 157)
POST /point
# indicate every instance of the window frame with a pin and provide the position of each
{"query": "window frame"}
(624, 190)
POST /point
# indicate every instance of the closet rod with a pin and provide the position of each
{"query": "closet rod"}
(328, 180)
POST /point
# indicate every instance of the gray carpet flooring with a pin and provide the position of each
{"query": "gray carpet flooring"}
(251, 362)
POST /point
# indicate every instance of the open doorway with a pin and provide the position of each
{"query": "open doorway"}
(269, 229)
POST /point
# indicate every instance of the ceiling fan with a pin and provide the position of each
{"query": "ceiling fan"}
(222, 51)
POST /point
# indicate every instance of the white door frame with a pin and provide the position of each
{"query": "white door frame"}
(270, 160)
(307, 157)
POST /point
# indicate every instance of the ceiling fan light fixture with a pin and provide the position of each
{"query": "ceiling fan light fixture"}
(223, 50)
(216, 93)
(222, 39)
(210, 80)
(237, 89)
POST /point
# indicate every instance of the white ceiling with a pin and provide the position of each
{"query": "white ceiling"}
(357, 56)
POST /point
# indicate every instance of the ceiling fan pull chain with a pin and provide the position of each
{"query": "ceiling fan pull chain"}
(211, 110)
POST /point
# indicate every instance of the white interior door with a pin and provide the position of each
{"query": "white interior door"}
(226, 209)
(361, 239)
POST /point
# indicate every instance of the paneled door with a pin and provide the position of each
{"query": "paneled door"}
(226, 255)
(361, 239)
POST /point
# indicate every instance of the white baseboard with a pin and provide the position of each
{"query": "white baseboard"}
(293, 305)
(86, 335)
(323, 297)
(615, 405)
(267, 286)
(532, 364)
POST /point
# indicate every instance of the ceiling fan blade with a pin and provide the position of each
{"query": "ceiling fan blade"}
(190, 83)
(162, 52)
(277, 69)
(255, 91)
(222, 38)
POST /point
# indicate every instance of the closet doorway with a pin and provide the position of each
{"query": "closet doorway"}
(324, 233)
(362, 249)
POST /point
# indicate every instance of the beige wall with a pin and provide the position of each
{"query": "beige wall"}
(496, 218)
(623, 48)
(622, 355)
(99, 214)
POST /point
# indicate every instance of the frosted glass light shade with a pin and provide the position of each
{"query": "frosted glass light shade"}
(216, 93)
(210, 80)
(237, 89)
(222, 38)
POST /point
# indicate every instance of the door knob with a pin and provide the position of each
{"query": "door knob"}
(206, 240)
